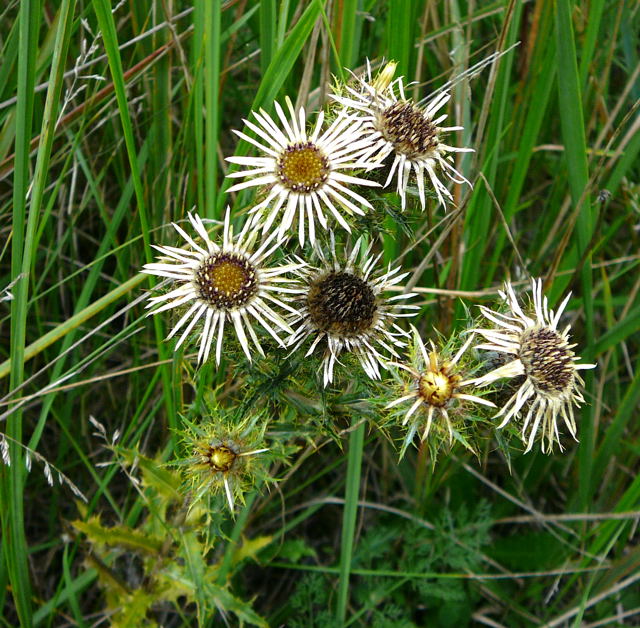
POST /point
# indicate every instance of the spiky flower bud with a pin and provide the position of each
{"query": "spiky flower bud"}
(440, 397)
(384, 77)
(222, 454)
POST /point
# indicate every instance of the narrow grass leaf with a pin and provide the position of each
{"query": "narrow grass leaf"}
(352, 494)
(575, 150)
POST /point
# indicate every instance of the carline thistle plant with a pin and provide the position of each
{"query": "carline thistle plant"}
(408, 132)
(543, 355)
(223, 284)
(343, 308)
(335, 303)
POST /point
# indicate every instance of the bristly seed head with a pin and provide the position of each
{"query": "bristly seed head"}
(547, 360)
(219, 458)
(302, 167)
(436, 387)
(411, 132)
(225, 281)
(341, 303)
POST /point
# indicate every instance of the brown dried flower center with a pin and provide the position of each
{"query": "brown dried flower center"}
(411, 132)
(226, 281)
(547, 360)
(341, 303)
(436, 387)
(220, 458)
(302, 167)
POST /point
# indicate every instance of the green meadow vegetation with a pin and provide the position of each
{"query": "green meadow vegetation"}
(139, 487)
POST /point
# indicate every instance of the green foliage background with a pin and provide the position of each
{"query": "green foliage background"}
(94, 162)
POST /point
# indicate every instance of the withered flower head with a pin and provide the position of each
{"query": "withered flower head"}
(409, 132)
(544, 356)
(343, 309)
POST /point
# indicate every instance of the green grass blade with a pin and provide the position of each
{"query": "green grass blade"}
(352, 493)
(75, 321)
(108, 28)
(88, 288)
(400, 35)
(234, 538)
(41, 173)
(618, 333)
(615, 431)
(346, 39)
(76, 587)
(197, 99)
(161, 129)
(480, 211)
(9, 57)
(596, 8)
(541, 87)
(283, 20)
(573, 133)
(14, 539)
(286, 56)
(278, 71)
(212, 10)
(267, 33)
(627, 161)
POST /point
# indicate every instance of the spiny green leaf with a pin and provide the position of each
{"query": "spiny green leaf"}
(118, 536)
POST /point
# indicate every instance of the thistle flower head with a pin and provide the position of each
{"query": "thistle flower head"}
(544, 356)
(219, 284)
(407, 131)
(436, 390)
(343, 308)
(304, 173)
(223, 455)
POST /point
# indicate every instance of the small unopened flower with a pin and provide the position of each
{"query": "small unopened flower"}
(544, 356)
(384, 77)
(223, 455)
(343, 309)
(436, 390)
(304, 172)
(410, 133)
(222, 284)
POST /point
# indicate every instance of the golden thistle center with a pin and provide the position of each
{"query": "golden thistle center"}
(226, 281)
(342, 304)
(302, 167)
(411, 132)
(547, 360)
(220, 458)
(436, 387)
